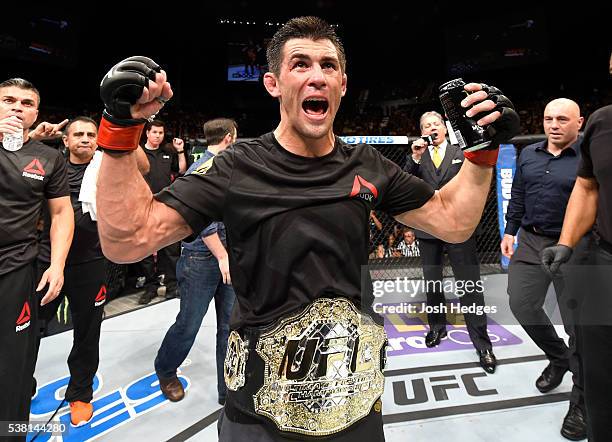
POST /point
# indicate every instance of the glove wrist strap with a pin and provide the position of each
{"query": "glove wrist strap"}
(485, 158)
(113, 136)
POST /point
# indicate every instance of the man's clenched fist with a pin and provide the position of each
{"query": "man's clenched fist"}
(133, 91)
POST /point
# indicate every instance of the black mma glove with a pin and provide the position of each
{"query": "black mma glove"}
(121, 88)
(501, 131)
(506, 126)
(552, 258)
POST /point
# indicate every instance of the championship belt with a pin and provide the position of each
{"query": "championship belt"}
(321, 368)
(235, 361)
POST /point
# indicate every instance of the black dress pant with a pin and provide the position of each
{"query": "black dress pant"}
(18, 313)
(85, 289)
(464, 262)
(527, 288)
(594, 328)
(166, 265)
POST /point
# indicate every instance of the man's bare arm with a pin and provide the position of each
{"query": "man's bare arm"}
(182, 163)
(453, 213)
(142, 161)
(61, 231)
(214, 244)
(131, 223)
(581, 211)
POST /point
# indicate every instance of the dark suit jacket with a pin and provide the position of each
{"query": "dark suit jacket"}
(437, 178)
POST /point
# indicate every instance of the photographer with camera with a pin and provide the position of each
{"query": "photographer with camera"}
(436, 161)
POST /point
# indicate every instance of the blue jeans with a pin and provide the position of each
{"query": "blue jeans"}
(199, 281)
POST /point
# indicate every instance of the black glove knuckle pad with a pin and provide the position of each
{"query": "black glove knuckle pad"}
(124, 83)
(508, 124)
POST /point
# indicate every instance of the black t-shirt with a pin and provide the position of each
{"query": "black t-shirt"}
(163, 170)
(28, 177)
(297, 227)
(597, 163)
(86, 242)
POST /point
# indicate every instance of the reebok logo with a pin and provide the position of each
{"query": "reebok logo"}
(34, 170)
(363, 189)
(23, 321)
(100, 297)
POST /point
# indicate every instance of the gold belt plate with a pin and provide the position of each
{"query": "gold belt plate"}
(322, 368)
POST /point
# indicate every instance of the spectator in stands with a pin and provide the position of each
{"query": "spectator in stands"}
(375, 232)
(380, 251)
(391, 251)
(409, 246)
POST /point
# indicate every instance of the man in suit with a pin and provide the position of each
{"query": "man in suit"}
(436, 161)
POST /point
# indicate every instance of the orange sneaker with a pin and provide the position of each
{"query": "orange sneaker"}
(80, 413)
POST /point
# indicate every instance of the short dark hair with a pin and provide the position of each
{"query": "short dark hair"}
(215, 130)
(21, 84)
(156, 123)
(313, 28)
(82, 118)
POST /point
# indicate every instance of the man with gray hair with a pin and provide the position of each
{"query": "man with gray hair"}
(436, 161)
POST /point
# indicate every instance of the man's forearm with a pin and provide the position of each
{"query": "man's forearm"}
(182, 162)
(142, 161)
(214, 244)
(581, 212)
(123, 200)
(61, 232)
(464, 197)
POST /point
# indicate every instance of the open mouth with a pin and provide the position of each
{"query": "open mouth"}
(315, 106)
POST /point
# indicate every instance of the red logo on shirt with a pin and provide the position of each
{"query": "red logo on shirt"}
(363, 189)
(23, 321)
(35, 167)
(34, 170)
(100, 297)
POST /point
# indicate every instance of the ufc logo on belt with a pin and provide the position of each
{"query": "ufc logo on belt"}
(330, 357)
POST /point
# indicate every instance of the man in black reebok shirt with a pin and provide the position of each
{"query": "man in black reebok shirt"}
(591, 203)
(29, 175)
(84, 276)
(296, 203)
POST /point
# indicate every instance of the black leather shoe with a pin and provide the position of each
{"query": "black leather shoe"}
(146, 297)
(488, 361)
(434, 337)
(550, 378)
(574, 425)
(172, 388)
